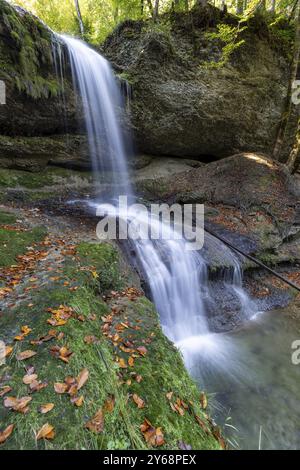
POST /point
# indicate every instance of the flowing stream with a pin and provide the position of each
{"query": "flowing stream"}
(178, 278)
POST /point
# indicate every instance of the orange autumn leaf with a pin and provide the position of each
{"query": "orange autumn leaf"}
(138, 401)
(82, 378)
(122, 363)
(110, 403)
(17, 404)
(22, 356)
(4, 390)
(4, 435)
(77, 401)
(131, 361)
(60, 387)
(46, 432)
(96, 424)
(8, 351)
(153, 436)
(203, 401)
(46, 408)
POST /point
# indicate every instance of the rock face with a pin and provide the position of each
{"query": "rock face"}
(183, 103)
(249, 199)
(34, 109)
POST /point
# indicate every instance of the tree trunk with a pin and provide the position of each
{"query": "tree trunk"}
(79, 16)
(240, 7)
(294, 157)
(156, 10)
(288, 103)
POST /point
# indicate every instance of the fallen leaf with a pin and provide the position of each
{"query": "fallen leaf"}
(82, 378)
(46, 408)
(203, 401)
(4, 435)
(8, 351)
(22, 356)
(28, 379)
(96, 424)
(131, 361)
(78, 401)
(139, 378)
(183, 446)
(90, 339)
(142, 350)
(138, 401)
(153, 436)
(169, 395)
(110, 403)
(46, 432)
(17, 404)
(60, 387)
(4, 390)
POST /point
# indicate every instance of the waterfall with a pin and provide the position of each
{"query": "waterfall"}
(178, 278)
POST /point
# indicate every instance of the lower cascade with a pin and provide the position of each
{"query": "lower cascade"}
(177, 276)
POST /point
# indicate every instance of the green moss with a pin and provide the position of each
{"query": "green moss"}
(48, 177)
(31, 50)
(14, 243)
(105, 259)
(162, 368)
(7, 218)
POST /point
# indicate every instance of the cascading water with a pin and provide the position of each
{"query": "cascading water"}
(177, 277)
(179, 281)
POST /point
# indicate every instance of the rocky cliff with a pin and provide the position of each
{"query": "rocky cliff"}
(34, 109)
(188, 100)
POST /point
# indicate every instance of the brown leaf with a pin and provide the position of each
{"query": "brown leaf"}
(138, 401)
(4, 435)
(82, 378)
(153, 436)
(169, 395)
(28, 379)
(22, 356)
(78, 401)
(17, 404)
(131, 361)
(4, 390)
(109, 403)
(96, 424)
(8, 351)
(139, 378)
(46, 408)
(60, 387)
(203, 401)
(90, 339)
(46, 432)
(142, 350)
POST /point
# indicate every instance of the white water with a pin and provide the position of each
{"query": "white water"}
(177, 277)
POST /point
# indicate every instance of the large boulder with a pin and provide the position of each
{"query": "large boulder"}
(249, 199)
(184, 102)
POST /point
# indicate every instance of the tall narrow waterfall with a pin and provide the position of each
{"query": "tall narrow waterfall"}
(177, 277)
(101, 101)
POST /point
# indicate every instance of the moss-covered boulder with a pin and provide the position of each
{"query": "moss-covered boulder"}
(187, 99)
(33, 102)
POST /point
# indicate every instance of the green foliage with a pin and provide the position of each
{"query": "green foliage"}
(229, 36)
